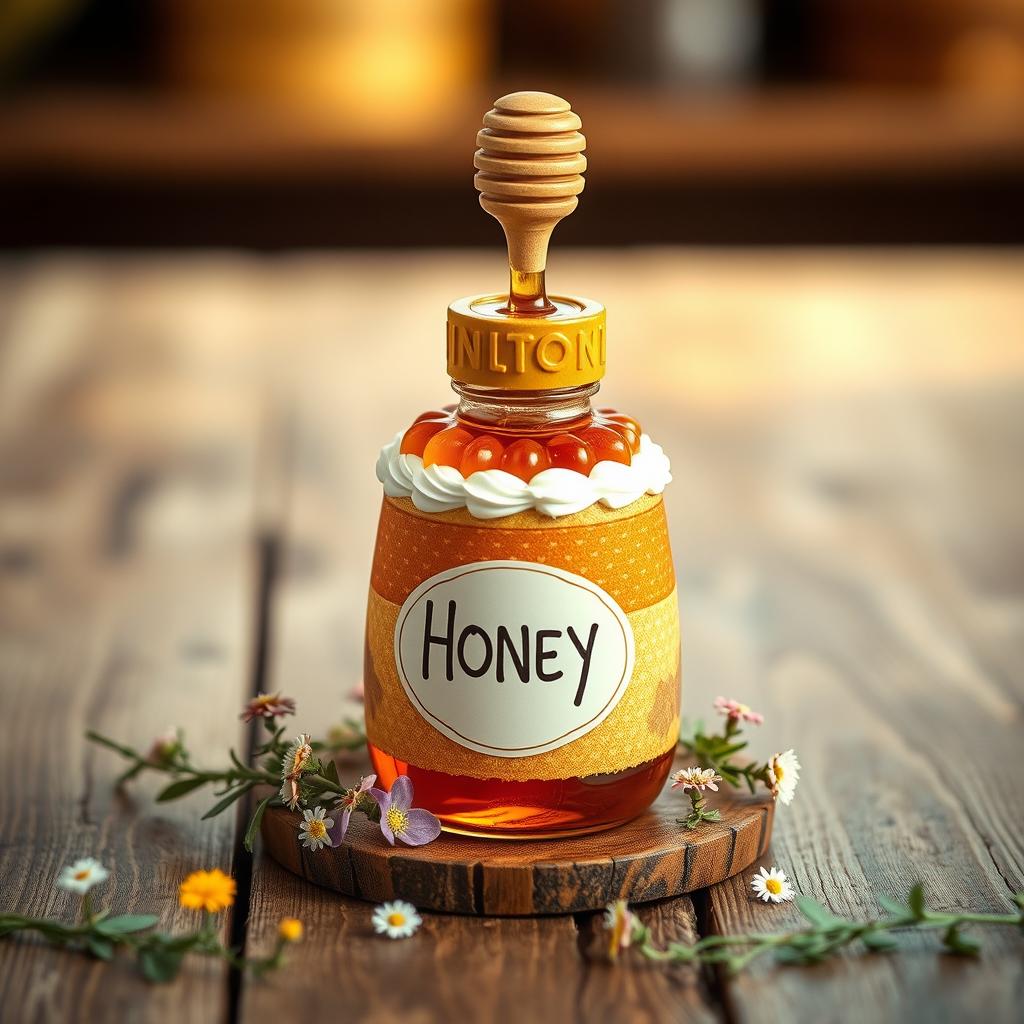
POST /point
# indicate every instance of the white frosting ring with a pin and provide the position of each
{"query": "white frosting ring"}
(491, 493)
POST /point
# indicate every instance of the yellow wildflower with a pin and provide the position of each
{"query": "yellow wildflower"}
(207, 890)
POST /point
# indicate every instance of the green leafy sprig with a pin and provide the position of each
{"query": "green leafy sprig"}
(159, 954)
(718, 751)
(700, 811)
(826, 934)
(319, 780)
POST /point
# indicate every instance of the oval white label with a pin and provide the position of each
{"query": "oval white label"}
(513, 658)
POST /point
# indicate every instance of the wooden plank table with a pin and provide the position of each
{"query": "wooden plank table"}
(187, 506)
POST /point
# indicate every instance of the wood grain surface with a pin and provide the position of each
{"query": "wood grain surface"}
(126, 589)
(186, 514)
(646, 859)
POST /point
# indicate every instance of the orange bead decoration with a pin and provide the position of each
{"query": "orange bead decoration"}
(608, 445)
(446, 447)
(440, 439)
(567, 451)
(525, 459)
(415, 439)
(483, 453)
(627, 428)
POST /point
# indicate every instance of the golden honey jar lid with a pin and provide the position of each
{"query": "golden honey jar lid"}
(529, 175)
(489, 348)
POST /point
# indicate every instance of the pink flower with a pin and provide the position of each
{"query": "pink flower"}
(165, 748)
(400, 820)
(358, 692)
(695, 778)
(269, 706)
(735, 711)
(348, 803)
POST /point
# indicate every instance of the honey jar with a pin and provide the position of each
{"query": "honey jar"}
(522, 634)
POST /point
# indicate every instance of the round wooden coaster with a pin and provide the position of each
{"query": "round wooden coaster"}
(647, 859)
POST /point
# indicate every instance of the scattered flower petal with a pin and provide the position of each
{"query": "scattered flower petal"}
(290, 930)
(81, 876)
(268, 705)
(783, 775)
(400, 820)
(396, 919)
(695, 778)
(772, 886)
(207, 890)
(314, 829)
(736, 711)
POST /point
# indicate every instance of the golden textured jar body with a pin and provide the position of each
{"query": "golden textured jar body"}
(579, 778)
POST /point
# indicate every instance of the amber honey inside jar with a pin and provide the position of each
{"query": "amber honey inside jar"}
(530, 810)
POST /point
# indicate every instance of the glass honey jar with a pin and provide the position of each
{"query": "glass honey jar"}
(522, 636)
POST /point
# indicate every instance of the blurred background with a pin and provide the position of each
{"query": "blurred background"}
(281, 123)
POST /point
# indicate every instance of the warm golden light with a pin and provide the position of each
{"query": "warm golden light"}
(386, 66)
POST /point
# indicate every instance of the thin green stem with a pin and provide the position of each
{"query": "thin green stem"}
(737, 964)
(933, 920)
(809, 945)
(322, 785)
(182, 768)
(203, 941)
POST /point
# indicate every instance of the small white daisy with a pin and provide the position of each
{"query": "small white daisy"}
(695, 778)
(772, 886)
(784, 772)
(314, 827)
(81, 876)
(397, 919)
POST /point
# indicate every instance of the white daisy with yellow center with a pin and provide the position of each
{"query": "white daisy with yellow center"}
(772, 886)
(81, 876)
(396, 919)
(313, 829)
(784, 774)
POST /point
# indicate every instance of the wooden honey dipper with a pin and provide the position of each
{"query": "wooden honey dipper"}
(529, 172)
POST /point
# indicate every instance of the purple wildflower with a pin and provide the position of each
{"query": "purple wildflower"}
(400, 820)
(348, 803)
